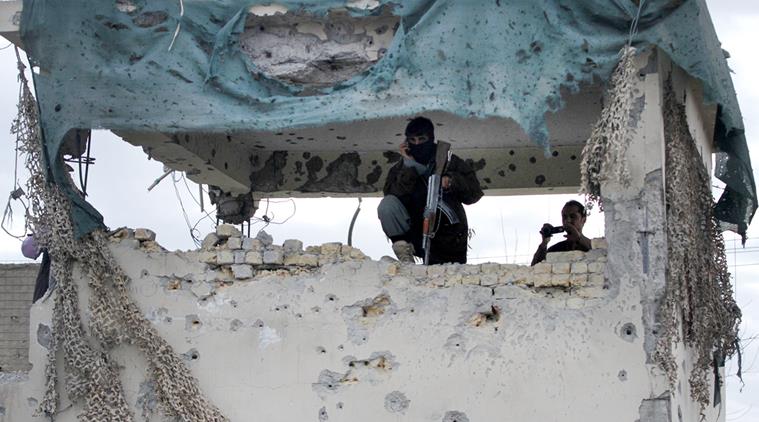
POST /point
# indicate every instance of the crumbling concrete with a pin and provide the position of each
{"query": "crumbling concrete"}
(313, 52)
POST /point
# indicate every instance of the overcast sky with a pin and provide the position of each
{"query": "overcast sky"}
(505, 228)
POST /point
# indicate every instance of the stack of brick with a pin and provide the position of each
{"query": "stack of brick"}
(580, 273)
(232, 256)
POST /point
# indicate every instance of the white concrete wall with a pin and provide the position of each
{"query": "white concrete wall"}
(376, 341)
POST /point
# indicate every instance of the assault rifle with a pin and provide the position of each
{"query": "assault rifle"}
(434, 198)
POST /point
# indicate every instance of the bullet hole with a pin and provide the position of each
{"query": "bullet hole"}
(521, 56)
(540, 179)
(572, 157)
(340, 347)
(622, 375)
(235, 325)
(57, 108)
(411, 310)
(482, 318)
(233, 303)
(339, 405)
(487, 180)
(192, 323)
(144, 273)
(396, 402)
(501, 173)
(226, 166)
(331, 298)
(298, 315)
(44, 336)
(342, 138)
(323, 414)
(555, 153)
(321, 350)
(315, 309)
(328, 383)
(455, 343)
(376, 307)
(259, 324)
(277, 309)
(455, 416)
(191, 354)
(533, 160)
(512, 167)
(628, 332)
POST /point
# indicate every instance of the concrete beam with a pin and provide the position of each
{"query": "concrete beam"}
(10, 20)
(168, 150)
(218, 160)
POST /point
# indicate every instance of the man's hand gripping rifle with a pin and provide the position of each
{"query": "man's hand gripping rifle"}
(434, 198)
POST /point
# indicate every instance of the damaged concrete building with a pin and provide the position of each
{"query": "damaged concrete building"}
(309, 98)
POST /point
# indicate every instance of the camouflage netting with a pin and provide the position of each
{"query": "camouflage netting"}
(603, 157)
(699, 296)
(177, 67)
(92, 376)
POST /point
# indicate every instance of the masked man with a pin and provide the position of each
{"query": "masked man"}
(401, 211)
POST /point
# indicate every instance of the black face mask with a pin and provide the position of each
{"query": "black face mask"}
(423, 153)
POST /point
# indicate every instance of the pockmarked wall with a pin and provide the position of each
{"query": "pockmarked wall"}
(282, 333)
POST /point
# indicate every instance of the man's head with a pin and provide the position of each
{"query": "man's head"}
(574, 214)
(420, 130)
(420, 137)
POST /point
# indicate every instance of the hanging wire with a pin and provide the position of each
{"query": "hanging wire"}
(634, 25)
(192, 228)
(353, 223)
(179, 24)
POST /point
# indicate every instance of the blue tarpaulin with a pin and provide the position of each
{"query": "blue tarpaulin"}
(110, 67)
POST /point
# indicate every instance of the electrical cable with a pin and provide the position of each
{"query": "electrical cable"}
(192, 229)
(353, 223)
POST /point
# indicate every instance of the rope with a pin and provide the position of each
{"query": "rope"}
(179, 24)
(634, 24)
